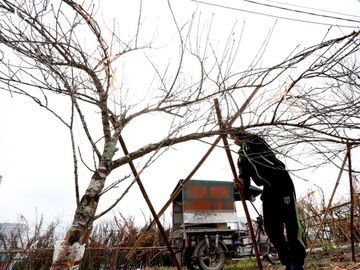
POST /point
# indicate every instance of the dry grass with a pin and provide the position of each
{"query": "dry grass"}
(335, 227)
(30, 247)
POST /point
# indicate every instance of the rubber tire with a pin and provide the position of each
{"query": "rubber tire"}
(216, 254)
(272, 256)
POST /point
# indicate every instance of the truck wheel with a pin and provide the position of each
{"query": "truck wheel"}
(212, 257)
(272, 256)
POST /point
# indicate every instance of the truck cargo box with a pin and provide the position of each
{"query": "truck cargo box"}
(205, 201)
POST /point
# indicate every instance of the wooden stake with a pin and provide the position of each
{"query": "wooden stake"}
(235, 176)
(352, 235)
(146, 197)
(329, 205)
(202, 160)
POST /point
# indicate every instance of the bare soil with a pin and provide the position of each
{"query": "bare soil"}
(327, 260)
(333, 259)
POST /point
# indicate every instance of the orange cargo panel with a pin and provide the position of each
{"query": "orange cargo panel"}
(208, 196)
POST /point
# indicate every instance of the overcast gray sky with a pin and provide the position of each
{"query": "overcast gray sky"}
(35, 152)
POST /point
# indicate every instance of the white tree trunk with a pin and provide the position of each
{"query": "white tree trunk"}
(69, 252)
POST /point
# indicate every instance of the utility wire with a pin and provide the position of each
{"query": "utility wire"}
(271, 15)
(301, 11)
(310, 8)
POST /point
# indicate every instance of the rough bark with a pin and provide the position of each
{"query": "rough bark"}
(69, 252)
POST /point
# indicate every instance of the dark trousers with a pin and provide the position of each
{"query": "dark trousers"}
(280, 212)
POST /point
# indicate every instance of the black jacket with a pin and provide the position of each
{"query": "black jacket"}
(258, 162)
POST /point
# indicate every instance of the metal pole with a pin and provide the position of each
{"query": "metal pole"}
(146, 197)
(241, 192)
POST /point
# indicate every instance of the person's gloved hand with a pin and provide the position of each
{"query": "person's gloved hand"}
(239, 184)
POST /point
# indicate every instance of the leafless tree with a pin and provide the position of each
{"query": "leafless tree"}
(54, 52)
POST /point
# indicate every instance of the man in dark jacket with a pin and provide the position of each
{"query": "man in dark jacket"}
(258, 162)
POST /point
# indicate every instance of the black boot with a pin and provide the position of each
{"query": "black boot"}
(296, 266)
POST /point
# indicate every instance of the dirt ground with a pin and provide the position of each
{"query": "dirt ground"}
(334, 260)
(326, 260)
(330, 260)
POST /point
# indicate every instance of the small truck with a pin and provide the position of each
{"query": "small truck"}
(207, 230)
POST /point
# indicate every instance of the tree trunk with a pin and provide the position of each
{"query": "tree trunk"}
(69, 252)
